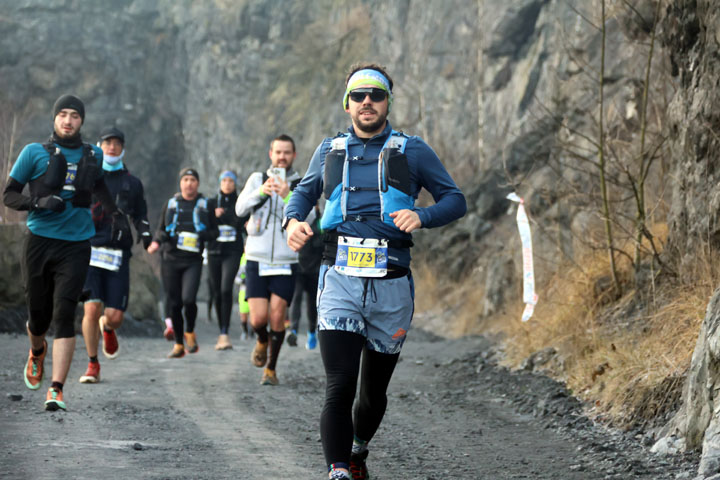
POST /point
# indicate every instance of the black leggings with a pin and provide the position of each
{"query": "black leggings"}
(307, 284)
(181, 279)
(341, 352)
(222, 270)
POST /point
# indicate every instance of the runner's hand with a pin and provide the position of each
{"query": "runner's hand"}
(406, 220)
(281, 188)
(51, 202)
(268, 187)
(298, 234)
(154, 246)
(219, 212)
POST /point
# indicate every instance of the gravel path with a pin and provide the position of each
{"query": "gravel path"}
(452, 414)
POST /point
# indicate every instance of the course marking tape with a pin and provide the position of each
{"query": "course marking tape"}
(530, 298)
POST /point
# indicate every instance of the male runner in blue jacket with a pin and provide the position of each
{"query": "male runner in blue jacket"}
(371, 177)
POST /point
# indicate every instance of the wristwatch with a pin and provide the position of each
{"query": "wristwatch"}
(285, 222)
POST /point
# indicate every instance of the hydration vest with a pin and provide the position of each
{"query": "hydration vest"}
(394, 186)
(60, 175)
(199, 216)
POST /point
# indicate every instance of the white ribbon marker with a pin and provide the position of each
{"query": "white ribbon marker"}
(530, 298)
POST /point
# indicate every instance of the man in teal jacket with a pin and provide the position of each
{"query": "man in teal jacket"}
(62, 174)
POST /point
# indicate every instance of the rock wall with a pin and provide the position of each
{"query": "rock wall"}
(692, 36)
(211, 83)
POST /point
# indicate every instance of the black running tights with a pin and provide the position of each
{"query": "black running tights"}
(222, 270)
(341, 354)
(181, 279)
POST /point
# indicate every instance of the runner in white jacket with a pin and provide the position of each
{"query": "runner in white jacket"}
(271, 263)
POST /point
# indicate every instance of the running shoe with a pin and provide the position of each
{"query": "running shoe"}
(243, 336)
(259, 354)
(54, 400)
(311, 341)
(340, 475)
(357, 466)
(110, 347)
(269, 378)
(92, 374)
(178, 351)
(191, 340)
(223, 343)
(34, 368)
(169, 333)
(292, 338)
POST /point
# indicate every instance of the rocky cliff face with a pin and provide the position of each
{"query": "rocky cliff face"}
(211, 83)
(692, 37)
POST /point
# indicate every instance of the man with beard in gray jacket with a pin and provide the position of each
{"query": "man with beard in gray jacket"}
(271, 263)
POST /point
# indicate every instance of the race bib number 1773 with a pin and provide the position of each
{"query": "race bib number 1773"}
(361, 257)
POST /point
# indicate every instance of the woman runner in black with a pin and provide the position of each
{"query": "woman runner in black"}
(224, 254)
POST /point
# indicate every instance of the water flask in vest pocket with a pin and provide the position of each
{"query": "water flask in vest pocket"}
(54, 178)
(397, 171)
(87, 172)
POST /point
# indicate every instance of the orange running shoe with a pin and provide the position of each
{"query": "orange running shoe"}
(178, 351)
(33, 372)
(269, 378)
(54, 400)
(259, 354)
(92, 374)
(191, 340)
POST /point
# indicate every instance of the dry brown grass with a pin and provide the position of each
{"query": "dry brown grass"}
(625, 356)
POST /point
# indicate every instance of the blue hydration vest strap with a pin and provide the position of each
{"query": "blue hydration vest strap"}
(391, 199)
(201, 203)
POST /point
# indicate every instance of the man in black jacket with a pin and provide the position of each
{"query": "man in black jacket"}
(108, 279)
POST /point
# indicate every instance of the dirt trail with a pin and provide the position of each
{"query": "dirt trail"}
(451, 415)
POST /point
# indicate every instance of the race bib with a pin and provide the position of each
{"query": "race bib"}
(268, 269)
(227, 233)
(107, 258)
(70, 177)
(188, 241)
(361, 257)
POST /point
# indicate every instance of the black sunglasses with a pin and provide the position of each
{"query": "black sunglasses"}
(376, 94)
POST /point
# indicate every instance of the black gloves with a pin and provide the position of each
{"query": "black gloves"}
(50, 202)
(143, 229)
(146, 239)
(120, 233)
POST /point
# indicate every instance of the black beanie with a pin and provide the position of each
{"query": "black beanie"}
(189, 171)
(69, 101)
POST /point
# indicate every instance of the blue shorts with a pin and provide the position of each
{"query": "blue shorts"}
(261, 287)
(379, 309)
(110, 288)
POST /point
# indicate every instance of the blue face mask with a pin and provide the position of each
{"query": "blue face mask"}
(111, 163)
